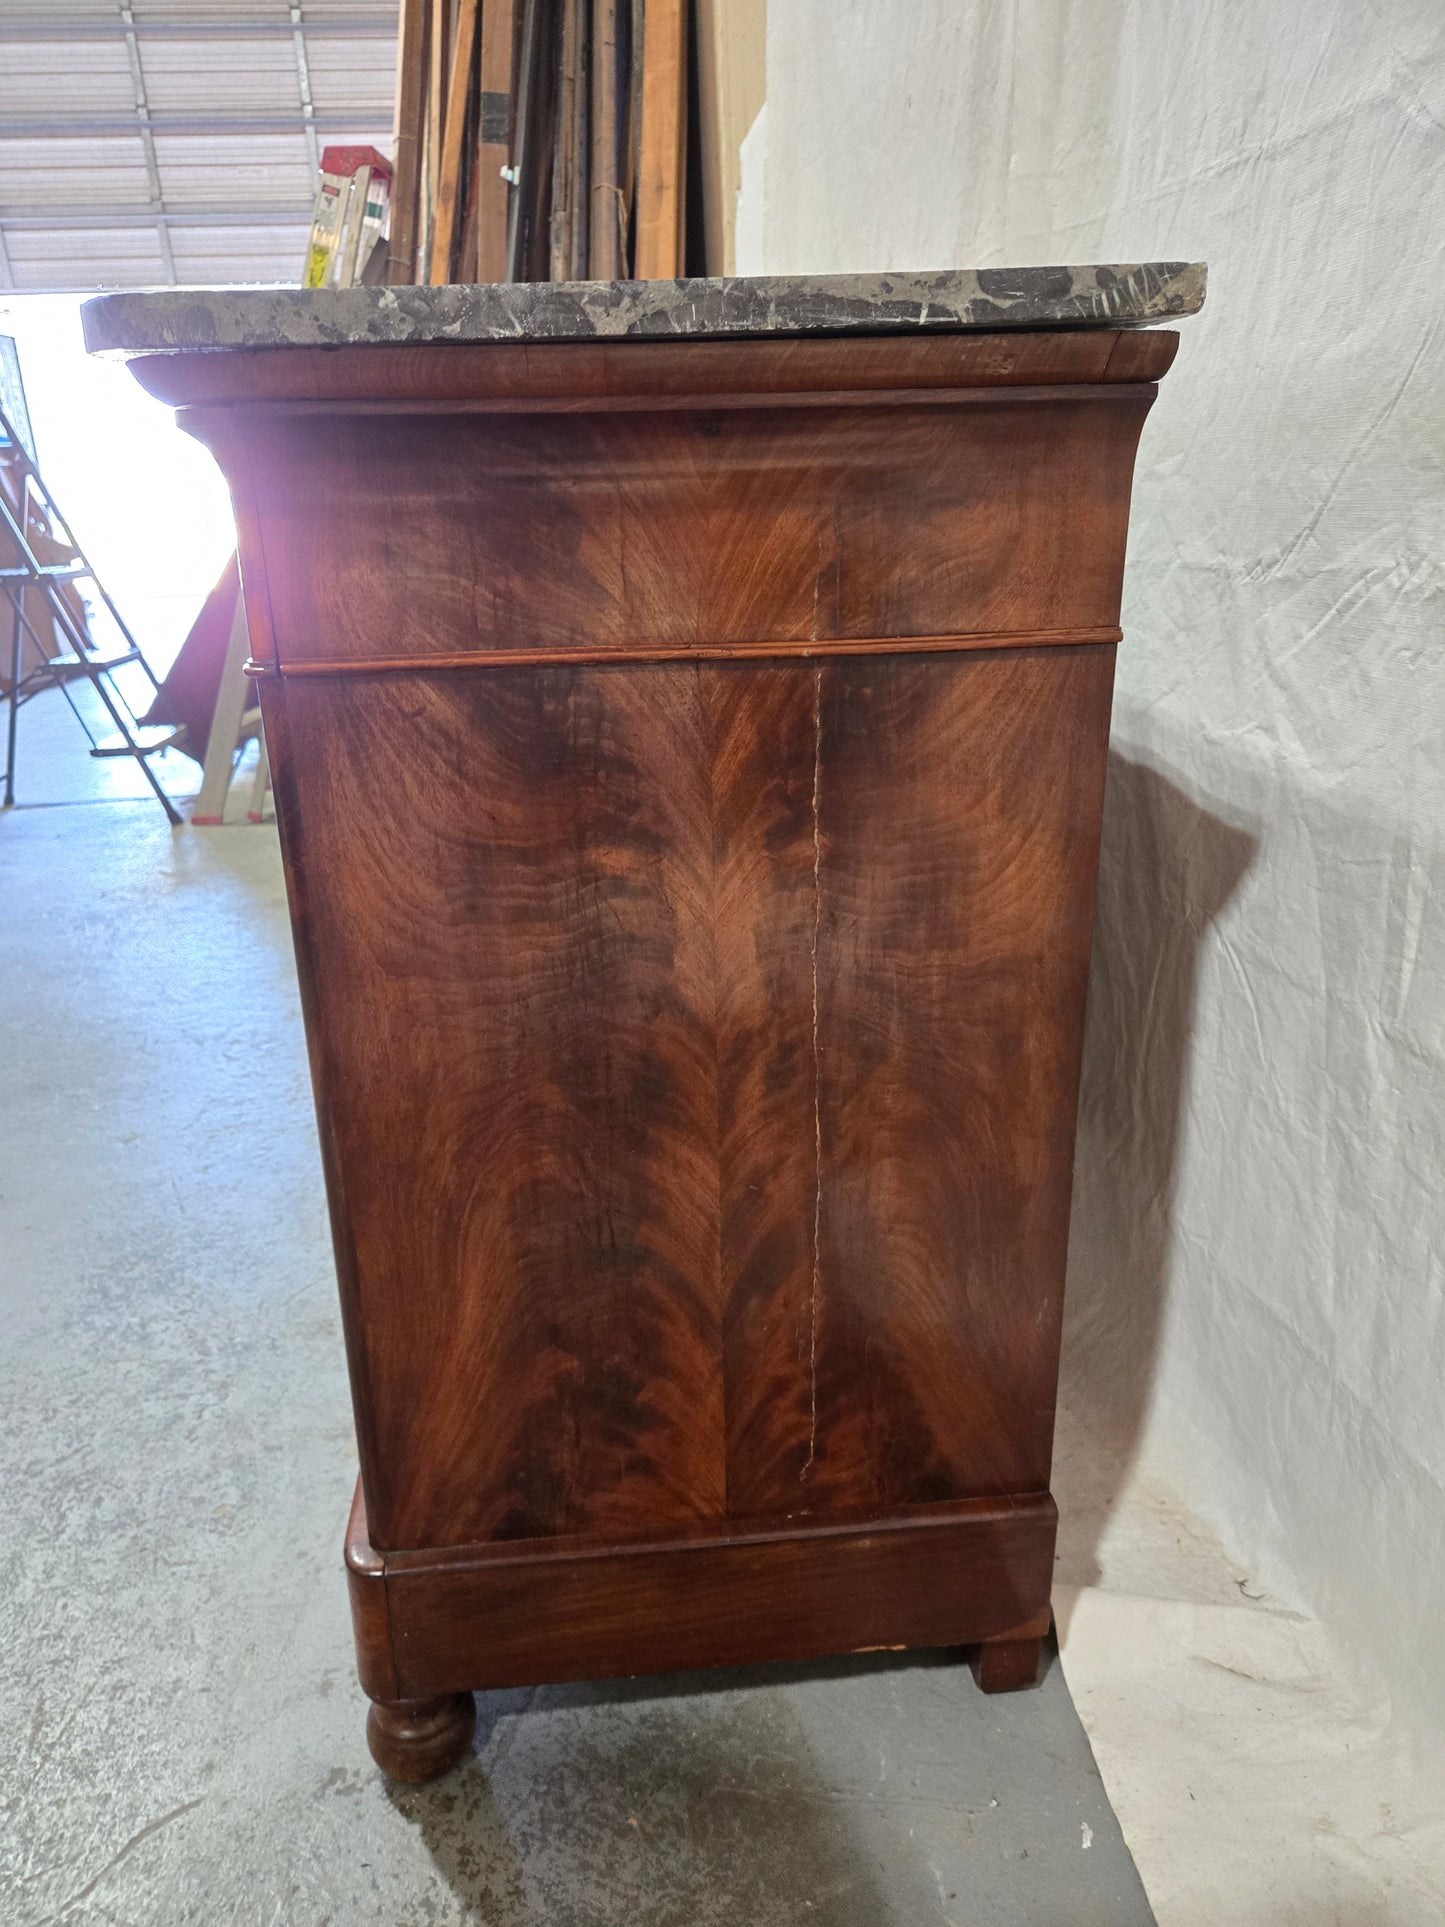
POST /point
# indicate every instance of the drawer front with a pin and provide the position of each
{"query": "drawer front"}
(394, 537)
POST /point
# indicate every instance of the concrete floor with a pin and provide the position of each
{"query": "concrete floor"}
(184, 1731)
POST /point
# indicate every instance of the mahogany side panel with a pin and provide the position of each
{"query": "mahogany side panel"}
(959, 813)
(726, 1020)
(906, 994)
(765, 854)
(505, 883)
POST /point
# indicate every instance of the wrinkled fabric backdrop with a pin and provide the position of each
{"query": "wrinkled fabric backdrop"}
(1255, 1301)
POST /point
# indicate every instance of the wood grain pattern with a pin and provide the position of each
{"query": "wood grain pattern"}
(765, 932)
(411, 64)
(689, 529)
(448, 215)
(439, 42)
(690, 819)
(712, 1000)
(567, 222)
(661, 169)
(499, 33)
(516, 987)
(940, 865)
(607, 214)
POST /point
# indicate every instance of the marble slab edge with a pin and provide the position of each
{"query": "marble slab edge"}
(181, 321)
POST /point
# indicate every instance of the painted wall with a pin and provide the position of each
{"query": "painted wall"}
(1256, 1269)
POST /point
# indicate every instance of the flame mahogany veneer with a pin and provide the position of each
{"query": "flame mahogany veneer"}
(689, 759)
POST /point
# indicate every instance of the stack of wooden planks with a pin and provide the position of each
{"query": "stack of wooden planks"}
(540, 140)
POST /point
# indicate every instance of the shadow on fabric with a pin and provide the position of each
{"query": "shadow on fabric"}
(1168, 866)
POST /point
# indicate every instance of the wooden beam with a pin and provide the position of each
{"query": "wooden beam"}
(571, 97)
(537, 107)
(632, 136)
(494, 138)
(438, 46)
(660, 165)
(411, 58)
(444, 231)
(604, 242)
(581, 147)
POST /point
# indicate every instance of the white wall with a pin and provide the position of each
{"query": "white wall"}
(1256, 1270)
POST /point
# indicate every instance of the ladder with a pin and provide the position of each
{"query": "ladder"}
(26, 505)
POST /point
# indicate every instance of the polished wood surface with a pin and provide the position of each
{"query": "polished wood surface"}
(690, 1050)
(603, 375)
(691, 528)
(690, 815)
(662, 144)
(1011, 1661)
(513, 1614)
(418, 1740)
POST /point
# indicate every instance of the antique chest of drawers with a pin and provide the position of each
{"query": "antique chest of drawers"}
(688, 707)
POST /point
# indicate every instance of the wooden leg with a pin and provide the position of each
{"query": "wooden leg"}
(419, 1740)
(1011, 1661)
(1004, 1665)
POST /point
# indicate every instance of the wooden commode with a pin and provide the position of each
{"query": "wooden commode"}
(688, 707)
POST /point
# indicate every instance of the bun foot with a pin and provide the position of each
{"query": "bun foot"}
(1007, 1665)
(418, 1740)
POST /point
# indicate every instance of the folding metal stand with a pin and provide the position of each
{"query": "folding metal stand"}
(27, 576)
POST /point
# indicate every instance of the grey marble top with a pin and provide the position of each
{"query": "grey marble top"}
(178, 321)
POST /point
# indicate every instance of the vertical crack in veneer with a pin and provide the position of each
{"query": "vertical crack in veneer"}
(817, 1106)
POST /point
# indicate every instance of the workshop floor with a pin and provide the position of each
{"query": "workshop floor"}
(184, 1732)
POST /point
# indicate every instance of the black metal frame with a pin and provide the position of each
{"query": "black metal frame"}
(31, 574)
